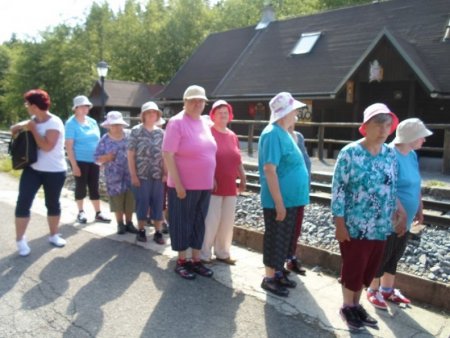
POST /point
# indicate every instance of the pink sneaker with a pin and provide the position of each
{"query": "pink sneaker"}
(376, 299)
(395, 296)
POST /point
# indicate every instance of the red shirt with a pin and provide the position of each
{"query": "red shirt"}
(228, 159)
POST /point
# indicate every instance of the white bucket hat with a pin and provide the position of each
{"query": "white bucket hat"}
(195, 92)
(410, 130)
(81, 100)
(150, 105)
(282, 104)
(114, 117)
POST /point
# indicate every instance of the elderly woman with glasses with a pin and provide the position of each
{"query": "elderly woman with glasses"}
(363, 204)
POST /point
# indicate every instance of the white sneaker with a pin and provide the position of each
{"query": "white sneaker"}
(56, 240)
(22, 246)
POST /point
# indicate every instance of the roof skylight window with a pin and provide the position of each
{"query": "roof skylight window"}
(306, 43)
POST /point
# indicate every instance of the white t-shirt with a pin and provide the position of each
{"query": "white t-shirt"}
(53, 160)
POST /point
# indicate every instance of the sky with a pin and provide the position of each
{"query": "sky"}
(27, 17)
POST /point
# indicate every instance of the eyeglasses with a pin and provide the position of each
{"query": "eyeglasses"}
(26, 104)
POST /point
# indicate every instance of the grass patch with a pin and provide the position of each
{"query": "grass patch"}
(6, 166)
(435, 184)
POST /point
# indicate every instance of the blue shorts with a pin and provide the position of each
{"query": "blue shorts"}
(149, 195)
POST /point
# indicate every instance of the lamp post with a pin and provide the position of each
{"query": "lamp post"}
(102, 71)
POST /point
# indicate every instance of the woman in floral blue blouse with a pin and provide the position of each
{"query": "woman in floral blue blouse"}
(363, 204)
(111, 152)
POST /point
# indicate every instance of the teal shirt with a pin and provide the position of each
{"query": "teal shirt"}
(408, 184)
(364, 191)
(85, 138)
(277, 147)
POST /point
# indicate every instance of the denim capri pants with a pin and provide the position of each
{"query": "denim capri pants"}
(30, 182)
(149, 194)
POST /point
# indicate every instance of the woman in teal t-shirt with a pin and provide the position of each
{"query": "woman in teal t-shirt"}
(284, 187)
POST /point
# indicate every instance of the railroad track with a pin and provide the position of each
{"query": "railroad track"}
(436, 213)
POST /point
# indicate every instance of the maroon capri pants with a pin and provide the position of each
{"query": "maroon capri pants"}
(361, 259)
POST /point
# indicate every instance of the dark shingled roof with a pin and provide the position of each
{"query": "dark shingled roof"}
(245, 63)
(125, 93)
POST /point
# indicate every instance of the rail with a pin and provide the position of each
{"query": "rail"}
(435, 212)
(321, 140)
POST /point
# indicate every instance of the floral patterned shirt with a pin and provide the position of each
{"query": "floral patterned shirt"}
(364, 191)
(117, 175)
(147, 146)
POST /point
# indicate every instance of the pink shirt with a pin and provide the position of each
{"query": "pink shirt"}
(228, 158)
(195, 151)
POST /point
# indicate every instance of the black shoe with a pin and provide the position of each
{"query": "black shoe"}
(99, 217)
(158, 238)
(202, 270)
(141, 236)
(285, 282)
(351, 318)
(271, 285)
(364, 317)
(121, 228)
(81, 217)
(130, 228)
(184, 270)
(295, 266)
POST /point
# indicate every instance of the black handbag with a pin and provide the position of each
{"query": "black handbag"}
(23, 149)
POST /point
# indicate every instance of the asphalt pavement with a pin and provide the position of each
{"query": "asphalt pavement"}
(107, 285)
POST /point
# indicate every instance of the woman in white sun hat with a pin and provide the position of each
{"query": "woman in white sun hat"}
(111, 152)
(410, 136)
(284, 188)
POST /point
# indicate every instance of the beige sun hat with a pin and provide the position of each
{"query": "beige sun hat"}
(282, 104)
(195, 92)
(150, 105)
(81, 100)
(410, 130)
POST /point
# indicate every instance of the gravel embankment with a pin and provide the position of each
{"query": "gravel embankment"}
(427, 256)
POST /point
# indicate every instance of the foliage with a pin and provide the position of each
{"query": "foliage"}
(142, 43)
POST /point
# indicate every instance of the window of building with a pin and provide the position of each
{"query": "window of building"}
(305, 43)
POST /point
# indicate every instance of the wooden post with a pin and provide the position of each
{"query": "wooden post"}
(251, 131)
(446, 154)
(320, 145)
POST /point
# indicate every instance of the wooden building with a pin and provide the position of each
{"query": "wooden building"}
(338, 62)
(124, 96)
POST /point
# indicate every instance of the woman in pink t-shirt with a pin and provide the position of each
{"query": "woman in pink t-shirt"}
(189, 151)
(220, 218)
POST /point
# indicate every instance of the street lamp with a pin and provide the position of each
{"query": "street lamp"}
(102, 71)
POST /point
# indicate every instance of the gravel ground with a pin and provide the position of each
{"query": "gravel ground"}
(427, 255)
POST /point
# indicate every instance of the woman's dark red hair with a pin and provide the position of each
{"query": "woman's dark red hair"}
(39, 98)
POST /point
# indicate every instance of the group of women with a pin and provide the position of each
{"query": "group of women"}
(375, 193)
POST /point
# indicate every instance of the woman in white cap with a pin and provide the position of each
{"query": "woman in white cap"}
(147, 170)
(190, 155)
(111, 152)
(219, 222)
(284, 188)
(363, 204)
(410, 136)
(82, 137)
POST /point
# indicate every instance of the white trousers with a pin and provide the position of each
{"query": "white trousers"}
(219, 225)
